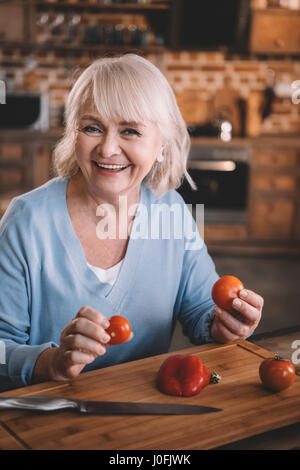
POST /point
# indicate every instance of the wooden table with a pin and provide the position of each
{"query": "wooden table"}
(248, 409)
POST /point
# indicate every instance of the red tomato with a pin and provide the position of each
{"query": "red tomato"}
(225, 290)
(184, 375)
(276, 374)
(119, 329)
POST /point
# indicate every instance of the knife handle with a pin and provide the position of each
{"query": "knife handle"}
(37, 403)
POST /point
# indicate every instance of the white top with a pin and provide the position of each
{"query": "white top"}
(109, 275)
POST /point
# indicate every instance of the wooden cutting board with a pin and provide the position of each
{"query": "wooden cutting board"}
(249, 409)
(9, 442)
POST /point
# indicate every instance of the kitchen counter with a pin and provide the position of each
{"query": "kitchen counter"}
(12, 136)
(248, 409)
(267, 140)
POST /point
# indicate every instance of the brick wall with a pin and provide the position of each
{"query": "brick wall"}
(194, 76)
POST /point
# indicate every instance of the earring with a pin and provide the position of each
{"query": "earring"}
(160, 158)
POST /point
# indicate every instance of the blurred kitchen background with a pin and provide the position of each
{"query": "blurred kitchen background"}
(234, 66)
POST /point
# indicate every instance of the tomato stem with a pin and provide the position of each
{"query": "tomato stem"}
(214, 377)
(278, 358)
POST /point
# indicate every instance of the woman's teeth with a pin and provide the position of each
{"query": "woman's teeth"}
(111, 167)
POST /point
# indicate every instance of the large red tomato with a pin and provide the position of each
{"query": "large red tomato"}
(119, 329)
(184, 374)
(225, 290)
(276, 374)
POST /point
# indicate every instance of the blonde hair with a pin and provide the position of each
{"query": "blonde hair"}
(131, 88)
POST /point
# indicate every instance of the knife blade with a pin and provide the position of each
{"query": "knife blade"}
(43, 403)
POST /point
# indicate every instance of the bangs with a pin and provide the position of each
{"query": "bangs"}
(121, 92)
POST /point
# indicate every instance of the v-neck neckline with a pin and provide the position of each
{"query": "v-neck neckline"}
(125, 279)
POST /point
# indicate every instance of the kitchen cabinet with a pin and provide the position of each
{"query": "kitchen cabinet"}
(16, 28)
(272, 214)
(273, 197)
(275, 31)
(272, 219)
(25, 163)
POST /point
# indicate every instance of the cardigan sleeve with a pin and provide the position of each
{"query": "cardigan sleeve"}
(194, 305)
(17, 358)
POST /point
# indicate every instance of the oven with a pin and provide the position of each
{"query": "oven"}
(221, 175)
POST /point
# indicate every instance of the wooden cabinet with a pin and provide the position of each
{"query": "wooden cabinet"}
(16, 28)
(274, 197)
(12, 167)
(24, 165)
(269, 183)
(275, 31)
(272, 219)
(278, 158)
(272, 214)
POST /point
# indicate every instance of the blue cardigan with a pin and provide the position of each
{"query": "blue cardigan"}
(45, 280)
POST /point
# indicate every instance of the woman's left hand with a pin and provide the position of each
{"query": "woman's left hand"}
(240, 323)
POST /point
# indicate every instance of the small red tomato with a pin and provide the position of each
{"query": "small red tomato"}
(119, 329)
(276, 373)
(225, 290)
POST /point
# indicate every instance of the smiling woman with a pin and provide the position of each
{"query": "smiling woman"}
(129, 89)
(125, 140)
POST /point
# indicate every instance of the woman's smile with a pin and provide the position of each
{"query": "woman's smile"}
(110, 169)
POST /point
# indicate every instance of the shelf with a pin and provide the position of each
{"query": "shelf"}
(81, 48)
(276, 11)
(105, 7)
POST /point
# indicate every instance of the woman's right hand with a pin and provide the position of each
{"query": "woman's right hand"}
(82, 340)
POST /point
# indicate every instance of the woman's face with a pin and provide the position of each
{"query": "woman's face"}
(115, 156)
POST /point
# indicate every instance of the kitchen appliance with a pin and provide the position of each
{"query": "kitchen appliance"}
(42, 403)
(24, 110)
(221, 175)
(212, 25)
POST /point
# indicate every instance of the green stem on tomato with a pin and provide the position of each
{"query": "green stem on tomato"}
(214, 378)
(278, 358)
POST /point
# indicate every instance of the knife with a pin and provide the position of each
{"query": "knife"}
(42, 403)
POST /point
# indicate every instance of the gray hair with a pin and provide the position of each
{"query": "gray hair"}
(133, 89)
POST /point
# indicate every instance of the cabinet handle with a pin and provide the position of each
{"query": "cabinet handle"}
(279, 42)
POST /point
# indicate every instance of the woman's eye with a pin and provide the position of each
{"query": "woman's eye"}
(91, 130)
(130, 131)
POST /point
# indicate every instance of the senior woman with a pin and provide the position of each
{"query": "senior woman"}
(123, 154)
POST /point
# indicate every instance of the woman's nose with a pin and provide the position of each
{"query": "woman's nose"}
(108, 145)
